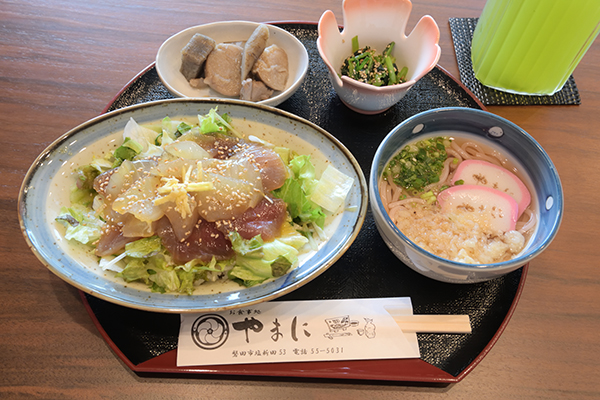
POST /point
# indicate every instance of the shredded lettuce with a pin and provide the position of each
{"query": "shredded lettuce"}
(128, 150)
(281, 256)
(141, 140)
(213, 122)
(301, 209)
(101, 164)
(82, 192)
(250, 271)
(164, 280)
(144, 248)
(257, 261)
(331, 190)
(291, 236)
(295, 192)
(82, 224)
(81, 196)
(186, 281)
(169, 132)
(136, 269)
(161, 277)
(202, 272)
(154, 272)
(304, 171)
(243, 246)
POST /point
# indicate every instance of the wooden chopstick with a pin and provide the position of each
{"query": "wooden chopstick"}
(432, 323)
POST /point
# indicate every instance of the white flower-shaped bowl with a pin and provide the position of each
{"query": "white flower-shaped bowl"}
(377, 23)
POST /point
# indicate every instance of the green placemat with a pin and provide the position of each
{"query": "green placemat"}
(462, 33)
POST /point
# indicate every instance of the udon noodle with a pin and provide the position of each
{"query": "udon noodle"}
(454, 237)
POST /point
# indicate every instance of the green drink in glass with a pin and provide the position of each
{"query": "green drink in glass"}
(532, 46)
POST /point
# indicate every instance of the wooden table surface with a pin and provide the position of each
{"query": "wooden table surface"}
(63, 61)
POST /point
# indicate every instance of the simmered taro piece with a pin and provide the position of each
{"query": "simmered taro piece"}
(253, 48)
(255, 90)
(272, 67)
(223, 69)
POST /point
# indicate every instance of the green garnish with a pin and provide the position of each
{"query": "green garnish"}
(127, 151)
(182, 128)
(418, 165)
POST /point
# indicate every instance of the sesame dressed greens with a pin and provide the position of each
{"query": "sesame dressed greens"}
(365, 65)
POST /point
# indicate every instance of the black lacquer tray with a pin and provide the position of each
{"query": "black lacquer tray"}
(147, 341)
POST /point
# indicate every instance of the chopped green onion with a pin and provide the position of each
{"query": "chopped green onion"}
(417, 165)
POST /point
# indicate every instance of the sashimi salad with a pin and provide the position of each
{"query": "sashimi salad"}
(177, 205)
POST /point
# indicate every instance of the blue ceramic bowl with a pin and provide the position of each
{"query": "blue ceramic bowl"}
(46, 189)
(496, 132)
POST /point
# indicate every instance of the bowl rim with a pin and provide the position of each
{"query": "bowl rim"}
(377, 204)
(272, 101)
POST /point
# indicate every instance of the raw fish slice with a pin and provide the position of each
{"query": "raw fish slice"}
(187, 150)
(477, 172)
(134, 228)
(486, 206)
(112, 182)
(204, 242)
(112, 241)
(273, 171)
(220, 147)
(182, 225)
(254, 90)
(194, 55)
(266, 219)
(138, 199)
(272, 67)
(223, 69)
(254, 48)
(237, 187)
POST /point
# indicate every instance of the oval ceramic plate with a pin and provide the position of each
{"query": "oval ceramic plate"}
(168, 58)
(46, 189)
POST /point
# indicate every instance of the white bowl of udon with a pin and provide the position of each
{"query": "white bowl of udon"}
(472, 197)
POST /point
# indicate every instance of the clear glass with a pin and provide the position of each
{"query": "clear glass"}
(532, 46)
